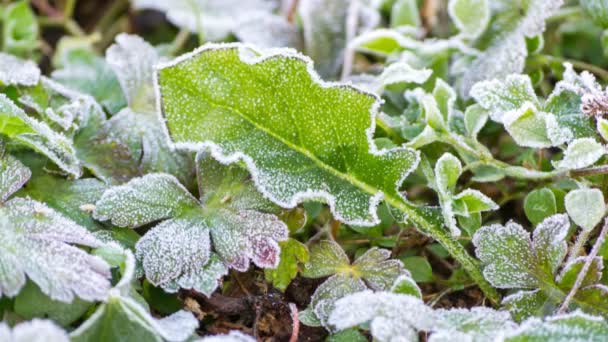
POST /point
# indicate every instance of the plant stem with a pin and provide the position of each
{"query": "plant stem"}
(451, 244)
(585, 269)
(579, 245)
(180, 40)
(547, 59)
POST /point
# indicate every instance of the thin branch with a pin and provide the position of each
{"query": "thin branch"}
(295, 325)
(581, 275)
(352, 21)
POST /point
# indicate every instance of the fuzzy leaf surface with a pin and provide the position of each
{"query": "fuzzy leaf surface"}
(221, 93)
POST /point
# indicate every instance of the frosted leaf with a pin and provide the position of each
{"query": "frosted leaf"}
(36, 330)
(505, 250)
(513, 260)
(580, 153)
(402, 72)
(228, 186)
(585, 207)
(143, 200)
(123, 319)
(524, 304)
(507, 51)
(35, 241)
(569, 274)
(445, 96)
(530, 127)
(477, 324)
(575, 326)
(566, 106)
(247, 235)
(266, 31)
(432, 114)
(80, 68)
(404, 284)
(578, 84)
(336, 287)
(289, 162)
(500, 97)
(447, 171)
(293, 253)
(472, 201)
(393, 317)
(325, 28)
(471, 17)
(15, 71)
(214, 19)
(204, 280)
(173, 248)
(475, 118)
(549, 242)
(326, 258)
(13, 174)
(133, 60)
(377, 269)
(233, 336)
(38, 136)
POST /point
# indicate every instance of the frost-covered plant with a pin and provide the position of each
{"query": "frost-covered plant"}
(332, 154)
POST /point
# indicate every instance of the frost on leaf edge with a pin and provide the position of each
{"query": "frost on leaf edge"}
(218, 154)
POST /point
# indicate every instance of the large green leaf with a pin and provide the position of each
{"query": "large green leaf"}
(301, 138)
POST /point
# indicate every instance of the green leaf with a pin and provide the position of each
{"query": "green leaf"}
(74, 199)
(477, 324)
(281, 146)
(420, 268)
(377, 269)
(586, 207)
(13, 174)
(405, 13)
(540, 204)
(336, 287)
(575, 326)
(565, 105)
(602, 128)
(122, 317)
(504, 47)
(144, 200)
(572, 269)
(512, 260)
(580, 153)
(81, 69)
(326, 258)
(532, 128)
(598, 10)
(475, 117)
(348, 335)
(502, 97)
(405, 284)
(36, 242)
(17, 125)
(293, 253)
(474, 201)
(31, 303)
(471, 17)
(525, 304)
(447, 171)
(20, 29)
(15, 71)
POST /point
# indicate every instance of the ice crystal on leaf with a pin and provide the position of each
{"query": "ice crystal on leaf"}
(15, 71)
(513, 260)
(13, 174)
(585, 207)
(280, 129)
(36, 242)
(176, 252)
(213, 19)
(372, 270)
(122, 317)
(20, 127)
(36, 330)
(506, 52)
(581, 153)
(396, 317)
(575, 326)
